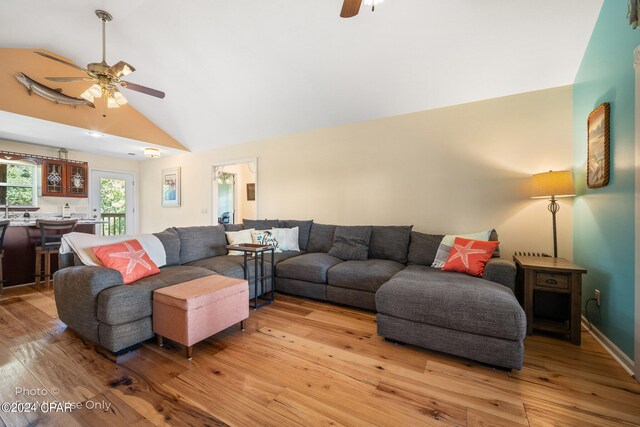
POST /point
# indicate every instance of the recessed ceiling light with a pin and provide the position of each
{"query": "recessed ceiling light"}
(95, 134)
(131, 154)
(151, 152)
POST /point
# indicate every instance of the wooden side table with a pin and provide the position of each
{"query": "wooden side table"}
(259, 275)
(555, 275)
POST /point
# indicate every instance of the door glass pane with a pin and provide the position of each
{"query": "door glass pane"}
(113, 205)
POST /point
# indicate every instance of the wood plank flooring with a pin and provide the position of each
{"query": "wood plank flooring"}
(299, 362)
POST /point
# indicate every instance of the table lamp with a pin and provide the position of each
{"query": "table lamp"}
(552, 185)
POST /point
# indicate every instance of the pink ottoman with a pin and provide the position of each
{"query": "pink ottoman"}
(191, 311)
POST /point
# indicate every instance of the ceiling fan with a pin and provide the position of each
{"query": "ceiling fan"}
(351, 8)
(106, 77)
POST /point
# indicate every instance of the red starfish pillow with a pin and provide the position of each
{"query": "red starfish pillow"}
(469, 256)
(128, 258)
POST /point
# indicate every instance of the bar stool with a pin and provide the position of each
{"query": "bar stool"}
(51, 233)
(3, 228)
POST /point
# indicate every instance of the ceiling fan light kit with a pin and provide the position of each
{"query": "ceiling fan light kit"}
(106, 78)
(350, 8)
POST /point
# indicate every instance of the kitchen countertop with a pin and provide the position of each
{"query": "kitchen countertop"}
(32, 222)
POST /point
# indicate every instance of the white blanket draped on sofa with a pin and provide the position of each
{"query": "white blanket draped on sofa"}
(81, 244)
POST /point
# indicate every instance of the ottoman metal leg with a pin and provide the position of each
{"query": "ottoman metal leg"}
(160, 340)
(242, 325)
(189, 352)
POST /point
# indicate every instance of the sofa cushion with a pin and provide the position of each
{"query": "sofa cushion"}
(307, 267)
(320, 238)
(454, 301)
(233, 227)
(201, 242)
(423, 248)
(171, 242)
(351, 242)
(304, 228)
(390, 242)
(260, 224)
(363, 275)
(123, 304)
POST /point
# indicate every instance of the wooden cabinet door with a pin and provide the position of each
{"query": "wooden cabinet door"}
(54, 177)
(77, 180)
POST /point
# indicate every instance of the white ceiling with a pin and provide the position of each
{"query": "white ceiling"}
(242, 70)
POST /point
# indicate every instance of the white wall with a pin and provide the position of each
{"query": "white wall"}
(53, 205)
(452, 170)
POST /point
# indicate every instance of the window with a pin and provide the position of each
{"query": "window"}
(18, 183)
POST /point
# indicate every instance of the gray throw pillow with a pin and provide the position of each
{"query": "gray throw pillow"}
(197, 243)
(260, 224)
(351, 243)
(321, 238)
(304, 228)
(171, 242)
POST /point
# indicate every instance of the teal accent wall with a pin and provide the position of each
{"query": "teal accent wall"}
(603, 219)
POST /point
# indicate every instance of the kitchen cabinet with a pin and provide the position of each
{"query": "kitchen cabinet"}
(62, 178)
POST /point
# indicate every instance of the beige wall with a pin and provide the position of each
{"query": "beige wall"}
(53, 205)
(451, 170)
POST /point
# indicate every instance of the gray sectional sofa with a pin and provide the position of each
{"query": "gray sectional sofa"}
(476, 318)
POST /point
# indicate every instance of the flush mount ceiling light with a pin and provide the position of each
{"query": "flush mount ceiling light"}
(95, 134)
(152, 153)
(351, 8)
(106, 78)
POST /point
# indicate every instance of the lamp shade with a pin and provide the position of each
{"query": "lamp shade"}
(556, 184)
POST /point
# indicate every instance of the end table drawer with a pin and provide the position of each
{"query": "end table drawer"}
(554, 281)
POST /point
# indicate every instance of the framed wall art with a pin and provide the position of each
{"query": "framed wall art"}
(598, 147)
(171, 187)
(251, 192)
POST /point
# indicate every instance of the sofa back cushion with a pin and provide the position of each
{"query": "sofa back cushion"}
(201, 242)
(171, 242)
(260, 224)
(351, 243)
(233, 227)
(321, 238)
(390, 242)
(423, 248)
(304, 227)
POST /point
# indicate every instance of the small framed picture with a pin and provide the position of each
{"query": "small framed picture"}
(598, 147)
(251, 192)
(171, 187)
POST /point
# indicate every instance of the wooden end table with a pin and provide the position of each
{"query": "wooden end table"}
(258, 252)
(556, 275)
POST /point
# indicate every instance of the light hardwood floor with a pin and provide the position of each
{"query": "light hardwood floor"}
(300, 362)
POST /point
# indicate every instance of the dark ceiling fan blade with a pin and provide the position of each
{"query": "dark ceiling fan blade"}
(69, 79)
(142, 89)
(350, 8)
(61, 61)
(120, 69)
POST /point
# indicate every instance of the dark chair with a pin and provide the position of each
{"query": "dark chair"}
(3, 228)
(51, 233)
(224, 218)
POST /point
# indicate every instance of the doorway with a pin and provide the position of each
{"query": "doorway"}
(112, 202)
(234, 192)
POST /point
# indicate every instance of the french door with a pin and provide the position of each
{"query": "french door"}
(112, 202)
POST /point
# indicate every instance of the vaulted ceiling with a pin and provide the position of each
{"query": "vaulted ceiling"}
(242, 70)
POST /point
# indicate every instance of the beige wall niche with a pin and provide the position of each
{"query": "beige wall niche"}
(451, 170)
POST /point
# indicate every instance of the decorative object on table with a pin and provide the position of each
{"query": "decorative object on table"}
(551, 185)
(53, 95)
(171, 187)
(598, 147)
(632, 14)
(251, 192)
(66, 211)
(552, 276)
(106, 78)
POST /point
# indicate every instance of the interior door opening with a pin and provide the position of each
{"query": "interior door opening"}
(234, 192)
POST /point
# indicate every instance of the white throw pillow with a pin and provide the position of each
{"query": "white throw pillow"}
(447, 243)
(288, 238)
(239, 237)
(266, 237)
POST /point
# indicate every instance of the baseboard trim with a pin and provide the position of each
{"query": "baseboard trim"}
(617, 354)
